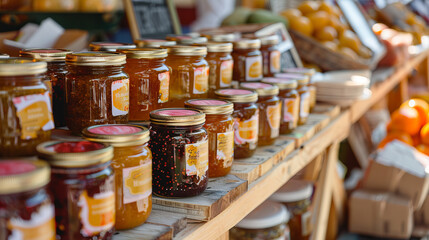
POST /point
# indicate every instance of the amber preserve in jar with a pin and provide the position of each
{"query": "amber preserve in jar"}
(309, 72)
(270, 55)
(247, 60)
(153, 43)
(220, 128)
(97, 90)
(132, 162)
(83, 185)
(25, 107)
(109, 46)
(180, 151)
(149, 81)
(27, 210)
(246, 120)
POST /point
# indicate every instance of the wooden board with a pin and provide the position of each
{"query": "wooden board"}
(177, 222)
(147, 231)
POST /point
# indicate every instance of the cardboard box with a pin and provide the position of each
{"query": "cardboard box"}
(421, 216)
(380, 214)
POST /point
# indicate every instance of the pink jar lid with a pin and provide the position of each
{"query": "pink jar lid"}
(75, 147)
(177, 112)
(263, 89)
(235, 92)
(13, 167)
(209, 102)
(211, 106)
(177, 117)
(117, 135)
(256, 85)
(114, 129)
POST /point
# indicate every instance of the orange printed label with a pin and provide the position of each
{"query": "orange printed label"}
(246, 131)
(226, 73)
(164, 87)
(97, 213)
(197, 159)
(137, 182)
(291, 111)
(225, 148)
(275, 61)
(304, 105)
(273, 117)
(201, 80)
(254, 68)
(120, 97)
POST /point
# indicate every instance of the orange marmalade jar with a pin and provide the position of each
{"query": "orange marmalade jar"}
(270, 55)
(149, 81)
(189, 76)
(132, 162)
(153, 43)
(247, 60)
(246, 120)
(311, 86)
(109, 46)
(270, 111)
(220, 128)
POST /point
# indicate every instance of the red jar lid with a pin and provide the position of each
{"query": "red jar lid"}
(118, 135)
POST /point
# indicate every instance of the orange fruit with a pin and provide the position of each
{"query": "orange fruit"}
(308, 7)
(416, 140)
(421, 106)
(291, 13)
(327, 33)
(327, 7)
(350, 40)
(423, 148)
(424, 134)
(348, 52)
(378, 28)
(331, 45)
(319, 19)
(406, 120)
(396, 135)
(302, 25)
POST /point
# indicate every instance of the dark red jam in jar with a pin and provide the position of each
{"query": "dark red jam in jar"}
(83, 185)
(179, 146)
(26, 208)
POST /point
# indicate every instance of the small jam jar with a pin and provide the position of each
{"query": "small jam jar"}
(247, 60)
(270, 55)
(220, 127)
(97, 90)
(311, 86)
(55, 78)
(179, 144)
(26, 114)
(290, 103)
(269, 111)
(83, 185)
(26, 209)
(268, 221)
(132, 162)
(246, 120)
(296, 196)
(109, 46)
(153, 43)
(149, 81)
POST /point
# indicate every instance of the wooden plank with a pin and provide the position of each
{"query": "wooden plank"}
(315, 123)
(177, 222)
(225, 236)
(331, 110)
(147, 231)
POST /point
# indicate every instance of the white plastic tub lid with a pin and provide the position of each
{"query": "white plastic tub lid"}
(293, 191)
(268, 214)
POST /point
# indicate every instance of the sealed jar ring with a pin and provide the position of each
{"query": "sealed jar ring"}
(221, 37)
(192, 40)
(179, 145)
(109, 46)
(270, 55)
(220, 128)
(153, 43)
(27, 209)
(311, 86)
(247, 60)
(83, 185)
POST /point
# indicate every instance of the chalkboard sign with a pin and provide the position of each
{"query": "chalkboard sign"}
(152, 18)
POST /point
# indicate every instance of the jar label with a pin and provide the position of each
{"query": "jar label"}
(275, 61)
(41, 225)
(226, 73)
(254, 68)
(34, 113)
(164, 87)
(304, 105)
(306, 223)
(291, 111)
(273, 117)
(97, 213)
(225, 148)
(201, 80)
(197, 158)
(137, 182)
(246, 131)
(120, 97)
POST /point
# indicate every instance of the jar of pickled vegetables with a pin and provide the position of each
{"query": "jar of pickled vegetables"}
(153, 43)
(220, 128)
(189, 77)
(246, 120)
(247, 60)
(97, 90)
(25, 107)
(290, 103)
(83, 185)
(269, 111)
(149, 81)
(270, 55)
(311, 86)
(109, 46)
(179, 145)
(26, 209)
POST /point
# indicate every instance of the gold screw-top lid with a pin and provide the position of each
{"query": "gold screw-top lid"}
(217, 47)
(117, 135)
(237, 95)
(282, 83)
(211, 106)
(149, 53)
(247, 43)
(306, 71)
(270, 40)
(74, 154)
(45, 54)
(220, 37)
(300, 78)
(186, 50)
(109, 46)
(177, 117)
(21, 175)
(95, 59)
(153, 43)
(18, 66)
(190, 41)
(263, 89)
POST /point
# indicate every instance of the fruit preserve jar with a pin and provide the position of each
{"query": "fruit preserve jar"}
(26, 208)
(97, 90)
(311, 86)
(179, 145)
(189, 74)
(269, 111)
(83, 185)
(132, 162)
(290, 103)
(247, 60)
(270, 55)
(55, 78)
(149, 81)
(26, 114)
(246, 120)
(153, 43)
(109, 46)
(220, 128)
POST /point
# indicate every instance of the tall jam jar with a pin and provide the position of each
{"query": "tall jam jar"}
(309, 72)
(270, 55)
(97, 90)
(153, 43)
(83, 185)
(109, 46)
(247, 60)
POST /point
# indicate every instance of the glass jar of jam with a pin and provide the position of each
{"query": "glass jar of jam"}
(296, 196)
(97, 90)
(268, 222)
(290, 103)
(83, 185)
(247, 60)
(179, 145)
(26, 114)
(55, 78)
(149, 81)
(269, 111)
(220, 128)
(246, 120)
(153, 43)
(109, 46)
(270, 55)
(189, 77)
(311, 86)
(132, 162)
(26, 209)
